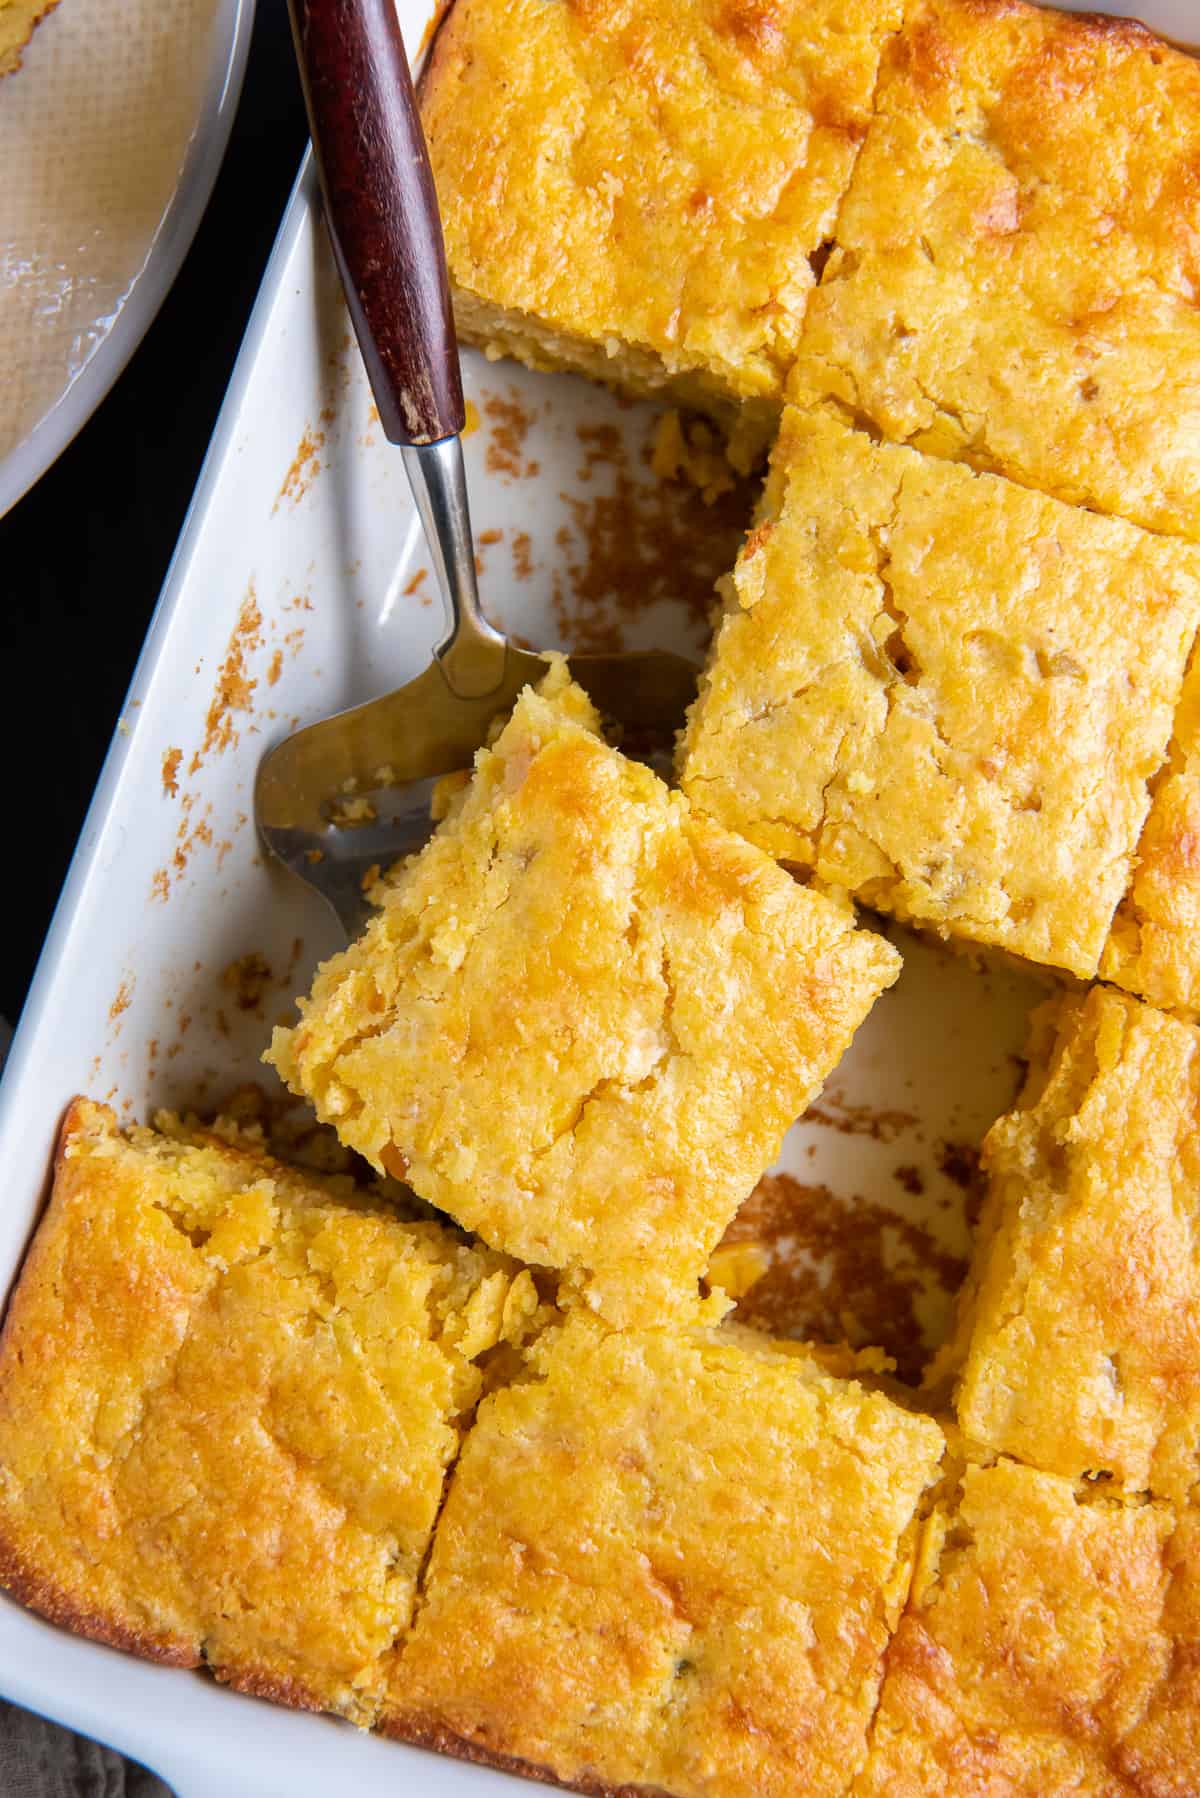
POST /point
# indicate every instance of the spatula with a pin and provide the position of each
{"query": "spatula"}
(377, 763)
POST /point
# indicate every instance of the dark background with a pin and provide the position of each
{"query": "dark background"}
(83, 555)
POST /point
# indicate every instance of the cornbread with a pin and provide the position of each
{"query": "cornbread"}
(1077, 1347)
(1154, 945)
(1050, 1646)
(1016, 265)
(640, 192)
(673, 1562)
(228, 1396)
(584, 1016)
(943, 692)
(17, 21)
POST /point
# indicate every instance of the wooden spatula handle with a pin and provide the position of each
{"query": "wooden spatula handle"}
(382, 211)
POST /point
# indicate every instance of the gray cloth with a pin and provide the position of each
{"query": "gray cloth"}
(40, 1760)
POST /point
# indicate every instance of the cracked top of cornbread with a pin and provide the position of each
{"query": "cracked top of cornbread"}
(1050, 1645)
(639, 187)
(1018, 256)
(228, 1396)
(585, 1015)
(1077, 1346)
(944, 692)
(673, 1561)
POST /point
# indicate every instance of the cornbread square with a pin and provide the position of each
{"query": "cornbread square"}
(1015, 272)
(1050, 1646)
(584, 1016)
(636, 192)
(1077, 1346)
(18, 18)
(943, 692)
(228, 1397)
(673, 1562)
(1154, 945)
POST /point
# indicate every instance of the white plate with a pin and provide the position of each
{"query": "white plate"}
(297, 572)
(111, 135)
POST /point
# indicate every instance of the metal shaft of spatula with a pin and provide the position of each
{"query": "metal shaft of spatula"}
(382, 214)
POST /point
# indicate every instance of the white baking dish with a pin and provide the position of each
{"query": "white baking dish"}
(128, 1002)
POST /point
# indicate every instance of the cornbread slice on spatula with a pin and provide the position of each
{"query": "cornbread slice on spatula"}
(585, 1015)
(228, 1396)
(673, 1562)
(18, 19)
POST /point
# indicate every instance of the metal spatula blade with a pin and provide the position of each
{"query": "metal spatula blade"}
(351, 793)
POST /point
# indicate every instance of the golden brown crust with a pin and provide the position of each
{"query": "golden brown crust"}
(643, 1574)
(18, 21)
(229, 1392)
(30, 1586)
(1013, 283)
(683, 160)
(1077, 1347)
(944, 692)
(420, 1732)
(585, 1015)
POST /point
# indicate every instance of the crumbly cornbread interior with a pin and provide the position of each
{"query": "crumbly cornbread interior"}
(585, 1015)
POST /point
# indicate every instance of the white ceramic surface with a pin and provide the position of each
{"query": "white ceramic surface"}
(297, 572)
(104, 184)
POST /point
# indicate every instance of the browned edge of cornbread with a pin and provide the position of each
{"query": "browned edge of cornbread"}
(411, 1728)
(17, 1577)
(32, 1589)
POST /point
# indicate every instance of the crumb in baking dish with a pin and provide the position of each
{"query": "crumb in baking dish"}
(1050, 1645)
(584, 1016)
(673, 1561)
(1077, 1344)
(641, 193)
(943, 692)
(1013, 281)
(229, 1392)
(18, 19)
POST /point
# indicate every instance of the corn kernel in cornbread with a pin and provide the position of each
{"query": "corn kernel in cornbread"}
(17, 21)
(943, 692)
(1050, 1646)
(635, 191)
(585, 1015)
(1078, 1342)
(1015, 274)
(228, 1396)
(674, 1562)
(1154, 945)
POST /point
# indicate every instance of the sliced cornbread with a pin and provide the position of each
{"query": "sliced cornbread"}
(1016, 267)
(636, 191)
(943, 692)
(1050, 1645)
(671, 1562)
(228, 1396)
(1154, 945)
(1077, 1347)
(584, 1016)
(17, 21)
